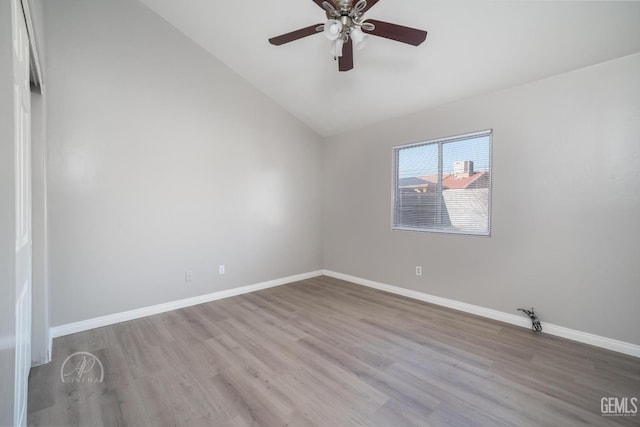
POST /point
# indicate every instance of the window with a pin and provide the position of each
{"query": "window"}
(444, 185)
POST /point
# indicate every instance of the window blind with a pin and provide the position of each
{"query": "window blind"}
(444, 185)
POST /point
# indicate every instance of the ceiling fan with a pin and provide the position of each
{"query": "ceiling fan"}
(345, 26)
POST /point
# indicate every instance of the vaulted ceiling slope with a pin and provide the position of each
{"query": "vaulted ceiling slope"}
(472, 47)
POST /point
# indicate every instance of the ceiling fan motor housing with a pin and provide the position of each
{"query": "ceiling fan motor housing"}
(345, 6)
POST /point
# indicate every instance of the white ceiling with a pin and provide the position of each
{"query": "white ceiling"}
(472, 47)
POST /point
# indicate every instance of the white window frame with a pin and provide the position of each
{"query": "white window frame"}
(441, 142)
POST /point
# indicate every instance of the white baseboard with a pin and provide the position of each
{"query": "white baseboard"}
(548, 328)
(97, 322)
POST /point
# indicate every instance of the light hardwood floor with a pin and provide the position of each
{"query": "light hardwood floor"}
(326, 352)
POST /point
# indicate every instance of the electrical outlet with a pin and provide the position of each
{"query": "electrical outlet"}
(418, 271)
(188, 276)
(221, 269)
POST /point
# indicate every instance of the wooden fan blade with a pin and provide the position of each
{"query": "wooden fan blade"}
(319, 3)
(398, 33)
(345, 62)
(370, 4)
(295, 35)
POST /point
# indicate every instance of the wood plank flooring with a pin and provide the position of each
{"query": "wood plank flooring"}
(325, 352)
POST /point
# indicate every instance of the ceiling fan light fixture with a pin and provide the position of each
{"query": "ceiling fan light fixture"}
(336, 48)
(338, 44)
(332, 49)
(359, 38)
(332, 29)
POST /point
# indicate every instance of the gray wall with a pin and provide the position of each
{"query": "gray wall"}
(162, 160)
(7, 220)
(565, 210)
